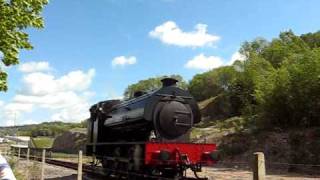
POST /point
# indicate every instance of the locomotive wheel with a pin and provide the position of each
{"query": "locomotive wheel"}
(108, 166)
(173, 173)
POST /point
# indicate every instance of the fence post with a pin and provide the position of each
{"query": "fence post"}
(43, 163)
(19, 150)
(28, 166)
(259, 169)
(28, 155)
(80, 166)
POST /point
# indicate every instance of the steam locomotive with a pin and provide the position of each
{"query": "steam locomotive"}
(149, 133)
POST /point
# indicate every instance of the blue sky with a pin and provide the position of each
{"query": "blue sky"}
(143, 38)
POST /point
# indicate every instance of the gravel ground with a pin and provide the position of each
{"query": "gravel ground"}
(238, 174)
(32, 171)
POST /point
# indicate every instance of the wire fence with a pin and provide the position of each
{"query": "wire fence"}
(34, 168)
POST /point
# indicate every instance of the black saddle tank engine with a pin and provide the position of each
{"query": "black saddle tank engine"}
(169, 112)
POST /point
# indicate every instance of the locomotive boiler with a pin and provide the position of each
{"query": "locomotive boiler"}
(135, 133)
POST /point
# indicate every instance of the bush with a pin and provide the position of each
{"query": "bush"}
(290, 96)
(235, 145)
(305, 147)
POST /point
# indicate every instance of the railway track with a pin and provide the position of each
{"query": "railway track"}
(86, 169)
(99, 172)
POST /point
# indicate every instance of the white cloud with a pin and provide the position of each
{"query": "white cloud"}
(170, 33)
(51, 101)
(15, 107)
(42, 83)
(9, 122)
(11, 112)
(33, 66)
(236, 57)
(75, 113)
(203, 62)
(28, 121)
(122, 61)
(65, 97)
(1, 103)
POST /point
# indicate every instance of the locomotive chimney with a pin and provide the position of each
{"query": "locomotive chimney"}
(168, 82)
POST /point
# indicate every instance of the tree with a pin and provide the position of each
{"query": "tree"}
(276, 86)
(212, 83)
(288, 44)
(243, 90)
(254, 47)
(292, 97)
(15, 17)
(151, 84)
(312, 39)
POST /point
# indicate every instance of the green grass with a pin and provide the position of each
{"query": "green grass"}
(43, 142)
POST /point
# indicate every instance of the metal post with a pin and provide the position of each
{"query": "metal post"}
(43, 163)
(80, 166)
(259, 169)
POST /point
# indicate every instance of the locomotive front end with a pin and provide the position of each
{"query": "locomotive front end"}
(174, 111)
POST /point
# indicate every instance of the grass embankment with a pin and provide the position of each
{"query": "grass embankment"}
(214, 130)
(42, 142)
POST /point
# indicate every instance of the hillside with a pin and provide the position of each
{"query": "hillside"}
(237, 141)
(71, 141)
(51, 129)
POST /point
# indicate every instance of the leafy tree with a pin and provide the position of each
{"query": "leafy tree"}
(151, 84)
(293, 98)
(312, 39)
(84, 124)
(286, 45)
(15, 17)
(276, 86)
(212, 83)
(242, 90)
(254, 47)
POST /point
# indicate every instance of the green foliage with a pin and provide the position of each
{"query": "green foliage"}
(15, 17)
(254, 47)
(276, 86)
(293, 97)
(212, 83)
(283, 48)
(83, 124)
(151, 84)
(312, 39)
